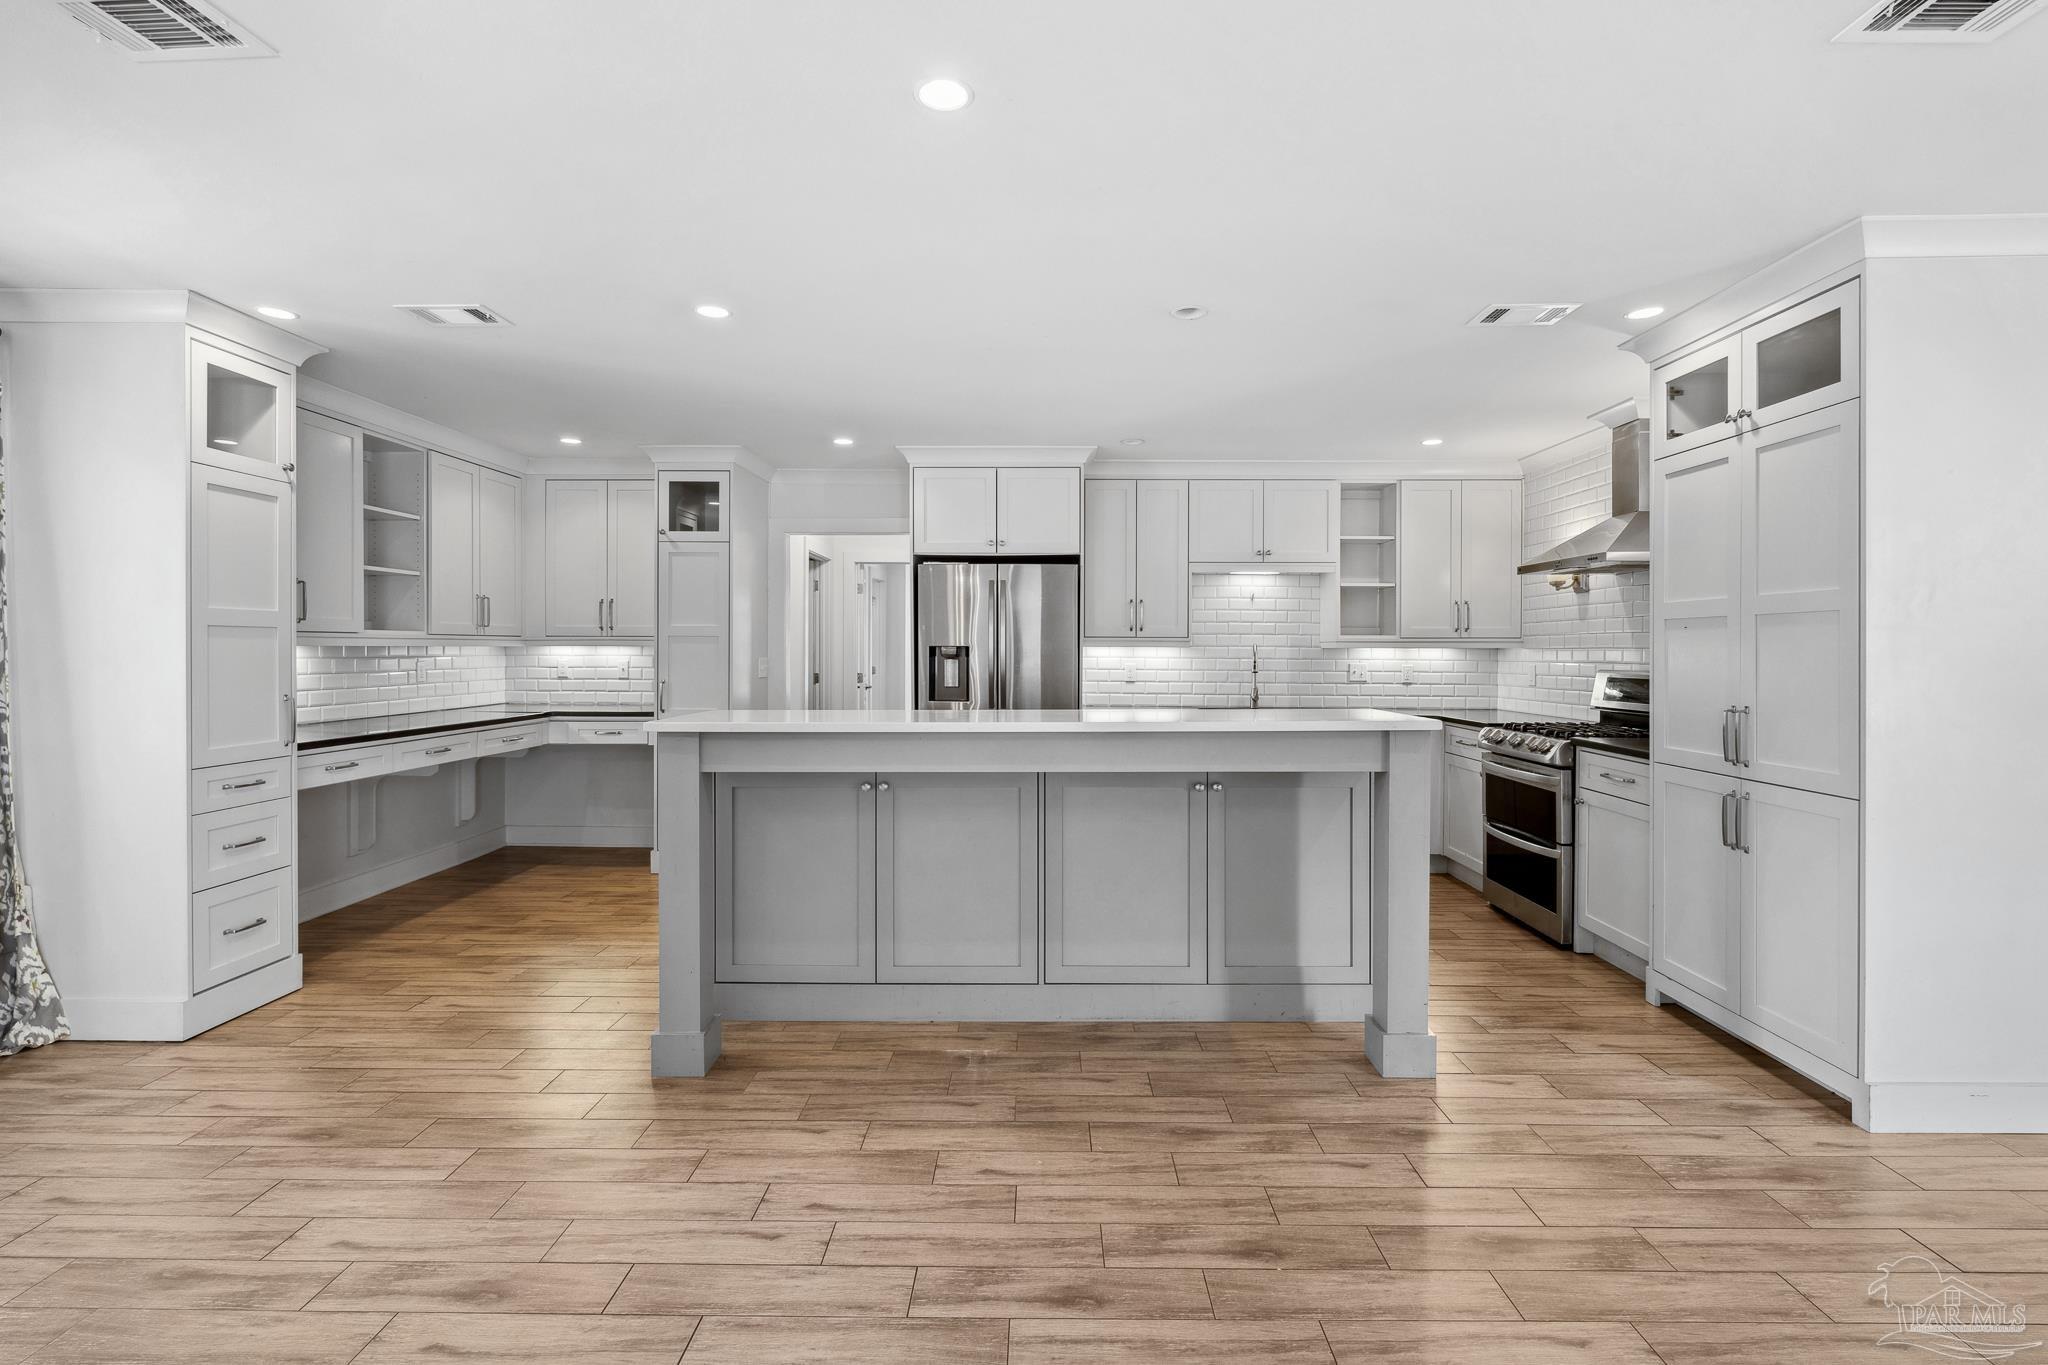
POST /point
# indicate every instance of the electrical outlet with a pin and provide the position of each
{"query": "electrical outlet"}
(1359, 672)
(561, 673)
(761, 668)
(625, 672)
(1407, 677)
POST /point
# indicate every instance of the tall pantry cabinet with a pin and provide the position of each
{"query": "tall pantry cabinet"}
(150, 444)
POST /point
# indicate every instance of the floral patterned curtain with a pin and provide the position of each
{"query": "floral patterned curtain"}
(30, 1012)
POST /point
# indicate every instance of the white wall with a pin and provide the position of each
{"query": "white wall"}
(1955, 649)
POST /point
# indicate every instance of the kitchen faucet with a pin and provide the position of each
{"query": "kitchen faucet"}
(1255, 677)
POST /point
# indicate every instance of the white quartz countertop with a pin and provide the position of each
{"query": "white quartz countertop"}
(1095, 720)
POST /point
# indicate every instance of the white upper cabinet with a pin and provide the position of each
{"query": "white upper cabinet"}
(329, 499)
(953, 511)
(472, 549)
(242, 412)
(691, 657)
(1459, 545)
(1696, 528)
(1796, 361)
(1038, 511)
(693, 505)
(1134, 565)
(600, 557)
(243, 601)
(1261, 523)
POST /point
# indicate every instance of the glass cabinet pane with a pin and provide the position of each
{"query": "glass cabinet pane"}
(692, 507)
(241, 414)
(1799, 359)
(1696, 399)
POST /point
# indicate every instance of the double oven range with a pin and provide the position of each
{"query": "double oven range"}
(1528, 801)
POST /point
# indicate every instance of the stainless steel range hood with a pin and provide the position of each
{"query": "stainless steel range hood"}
(1622, 541)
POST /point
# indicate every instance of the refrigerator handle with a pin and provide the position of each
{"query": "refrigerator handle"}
(999, 672)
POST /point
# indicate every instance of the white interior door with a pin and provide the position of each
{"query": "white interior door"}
(243, 601)
(1801, 603)
(1696, 539)
(497, 552)
(1300, 521)
(454, 601)
(1427, 548)
(329, 507)
(576, 512)
(953, 511)
(1696, 884)
(1801, 930)
(629, 550)
(1224, 521)
(1109, 560)
(1038, 511)
(1160, 566)
(1489, 553)
(691, 652)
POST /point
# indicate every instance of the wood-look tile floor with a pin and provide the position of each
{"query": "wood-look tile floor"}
(447, 1147)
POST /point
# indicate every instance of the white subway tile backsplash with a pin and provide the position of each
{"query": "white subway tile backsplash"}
(346, 681)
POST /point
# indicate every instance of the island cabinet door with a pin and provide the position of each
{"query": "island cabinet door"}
(1290, 886)
(1126, 877)
(796, 877)
(956, 877)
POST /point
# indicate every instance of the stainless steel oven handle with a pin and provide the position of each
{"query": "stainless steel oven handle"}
(1494, 831)
(1550, 782)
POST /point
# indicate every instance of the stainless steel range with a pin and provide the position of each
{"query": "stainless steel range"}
(1527, 800)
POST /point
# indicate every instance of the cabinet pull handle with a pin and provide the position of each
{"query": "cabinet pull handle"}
(610, 732)
(341, 767)
(487, 611)
(1617, 777)
(246, 843)
(1742, 743)
(291, 722)
(1728, 820)
(302, 600)
(661, 697)
(1141, 616)
(1742, 823)
(256, 923)
(510, 739)
(1728, 735)
(243, 786)
(611, 616)
(444, 749)
(1131, 611)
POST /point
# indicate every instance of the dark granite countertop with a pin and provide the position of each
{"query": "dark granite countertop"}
(367, 729)
(1474, 716)
(1637, 749)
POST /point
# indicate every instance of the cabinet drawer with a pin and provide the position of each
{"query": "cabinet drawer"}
(1619, 777)
(431, 750)
(241, 841)
(624, 730)
(516, 739)
(240, 784)
(241, 926)
(1463, 742)
(343, 765)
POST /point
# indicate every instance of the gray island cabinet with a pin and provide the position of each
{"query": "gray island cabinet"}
(1044, 865)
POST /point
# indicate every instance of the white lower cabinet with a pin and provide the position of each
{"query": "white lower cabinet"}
(956, 877)
(241, 926)
(241, 841)
(796, 877)
(1611, 845)
(1126, 877)
(1464, 813)
(1696, 889)
(1289, 877)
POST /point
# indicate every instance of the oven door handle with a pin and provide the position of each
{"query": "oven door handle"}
(1544, 850)
(1529, 777)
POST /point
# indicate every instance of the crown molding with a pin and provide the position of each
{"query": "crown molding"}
(20, 307)
(709, 457)
(386, 420)
(1042, 457)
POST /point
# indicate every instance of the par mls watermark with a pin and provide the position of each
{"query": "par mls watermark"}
(1941, 1313)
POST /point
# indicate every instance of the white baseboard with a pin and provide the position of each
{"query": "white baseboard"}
(1958, 1107)
(127, 1020)
(1613, 954)
(1039, 1003)
(1460, 872)
(315, 901)
(579, 836)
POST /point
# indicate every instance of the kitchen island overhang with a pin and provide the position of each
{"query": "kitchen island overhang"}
(1070, 862)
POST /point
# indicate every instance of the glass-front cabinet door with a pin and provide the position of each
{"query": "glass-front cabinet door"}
(1802, 359)
(1697, 398)
(693, 505)
(242, 412)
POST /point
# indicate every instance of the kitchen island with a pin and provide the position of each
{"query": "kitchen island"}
(1044, 865)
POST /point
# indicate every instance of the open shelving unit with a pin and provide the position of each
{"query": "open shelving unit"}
(1358, 600)
(394, 540)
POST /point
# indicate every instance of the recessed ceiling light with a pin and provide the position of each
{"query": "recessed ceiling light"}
(713, 310)
(281, 314)
(1132, 441)
(1189, 312)
(1432, 440)
(842, 440)
(944, 95)
(1639, 314)
(572, 440)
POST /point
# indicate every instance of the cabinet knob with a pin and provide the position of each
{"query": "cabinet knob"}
(991, 542)
(867, 786)
(1201, 786)
(881, 786)
(1215, 786)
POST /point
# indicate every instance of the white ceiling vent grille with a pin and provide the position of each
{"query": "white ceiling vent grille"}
(1938, 21)
(167, 30)
(1524, 315)
(455, 314)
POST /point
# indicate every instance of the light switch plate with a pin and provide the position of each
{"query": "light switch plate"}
(1359, 672)
(760, 668)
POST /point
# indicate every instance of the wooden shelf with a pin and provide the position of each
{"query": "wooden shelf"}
(376, 513)
(381, 568)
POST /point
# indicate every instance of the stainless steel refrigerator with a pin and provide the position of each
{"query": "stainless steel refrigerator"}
(998, 636)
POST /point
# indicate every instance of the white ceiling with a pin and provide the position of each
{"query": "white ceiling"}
(1341, 182)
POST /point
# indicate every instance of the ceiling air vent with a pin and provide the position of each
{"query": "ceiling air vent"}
(167, 30)
(1524, 315)
(1938, 21)
(455, 314)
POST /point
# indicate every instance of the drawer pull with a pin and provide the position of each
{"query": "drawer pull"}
(444, 749)
(1617, 777)
(256, 923)
(244, 786)
(610, 732)
(246, 843)
(511, 739)
(341, 767)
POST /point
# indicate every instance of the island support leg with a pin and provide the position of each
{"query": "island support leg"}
(1397, 1037)
(688, 1043)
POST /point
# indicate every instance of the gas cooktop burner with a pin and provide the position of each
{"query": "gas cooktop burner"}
(1549, 742)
